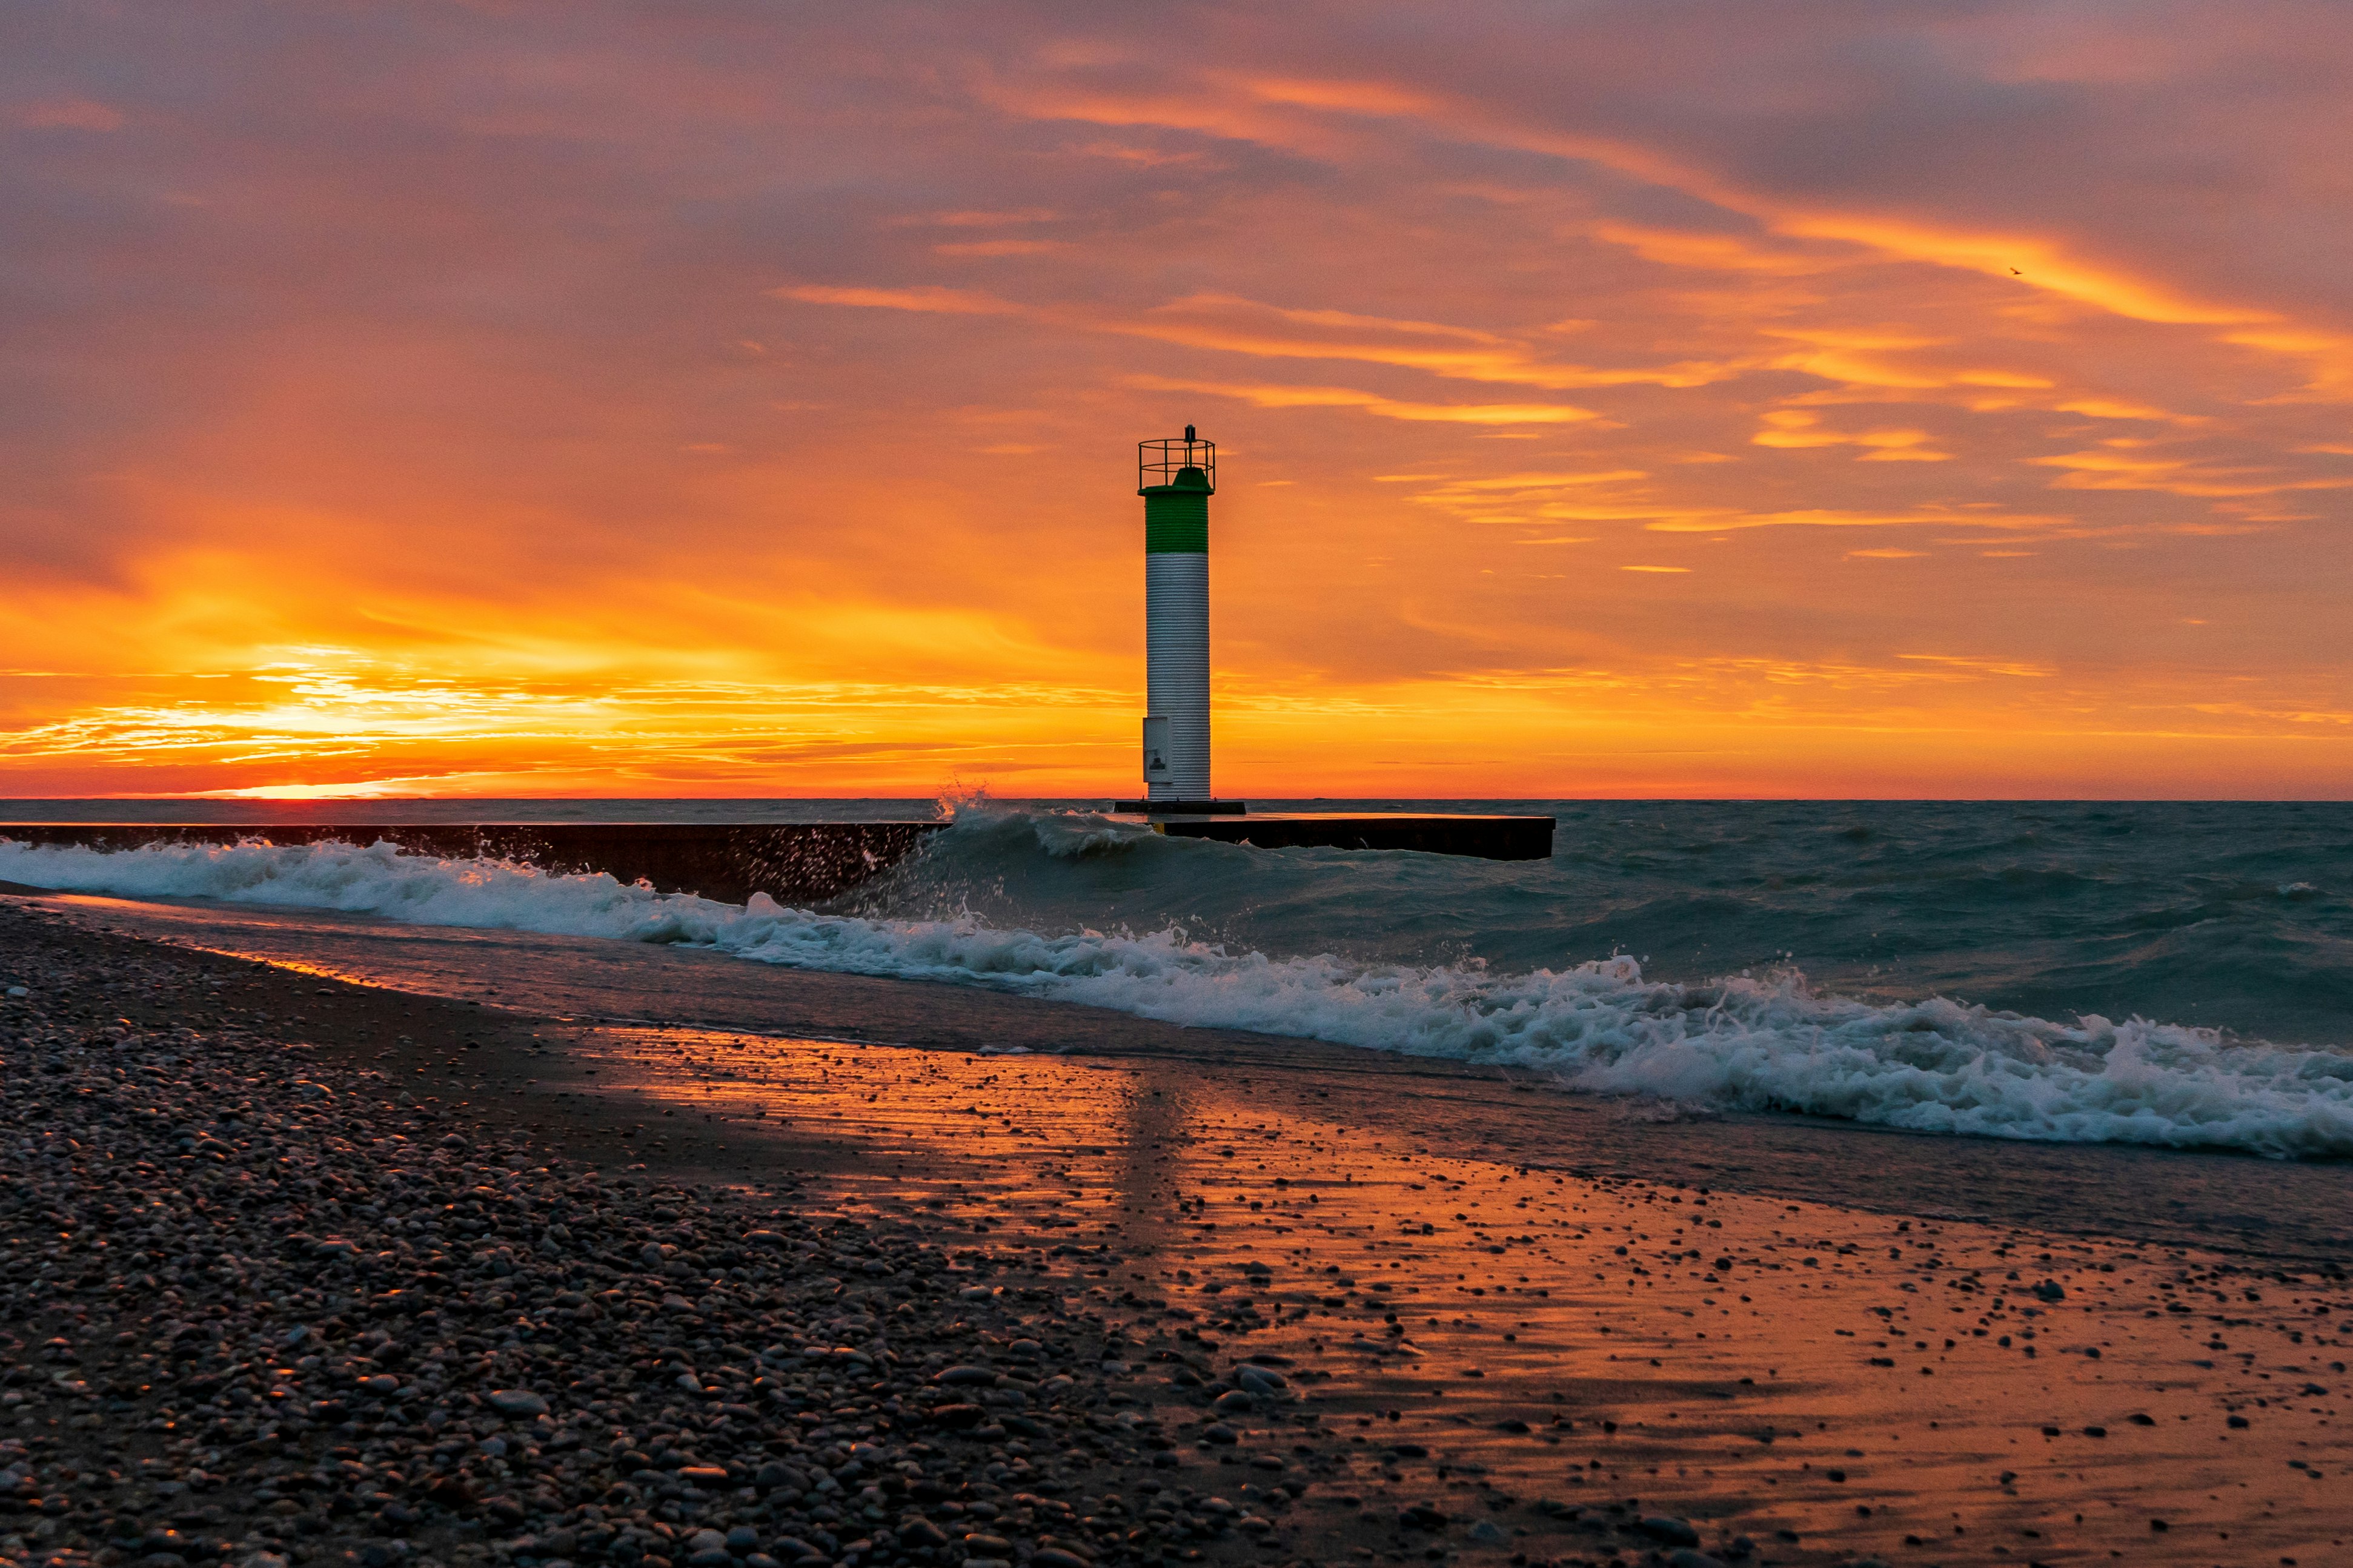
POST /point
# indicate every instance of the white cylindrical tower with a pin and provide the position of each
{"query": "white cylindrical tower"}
(1177, 671)
(1175, 480)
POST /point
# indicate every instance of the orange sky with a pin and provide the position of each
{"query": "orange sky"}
(725, 398)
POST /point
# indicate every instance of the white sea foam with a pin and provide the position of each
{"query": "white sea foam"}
(1771, 1043)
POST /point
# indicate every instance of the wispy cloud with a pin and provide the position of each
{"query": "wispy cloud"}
(929, 300)
(1269, 396)
(63, 114)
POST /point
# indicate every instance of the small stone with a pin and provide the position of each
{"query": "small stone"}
(515, 1402)
(1669, 1531)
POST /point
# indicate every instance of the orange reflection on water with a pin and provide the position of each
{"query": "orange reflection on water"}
(1483, 1334)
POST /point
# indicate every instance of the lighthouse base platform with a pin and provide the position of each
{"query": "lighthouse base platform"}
(1487, 837)
(1180, 807)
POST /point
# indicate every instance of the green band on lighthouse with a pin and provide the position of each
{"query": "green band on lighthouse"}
(1177, 515)
(1175, 523)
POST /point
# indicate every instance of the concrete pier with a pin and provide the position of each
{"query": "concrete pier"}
(797, 863)
(1487, 837)
(793, 863)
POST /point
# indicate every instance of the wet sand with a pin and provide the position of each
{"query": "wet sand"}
(1510, 1323)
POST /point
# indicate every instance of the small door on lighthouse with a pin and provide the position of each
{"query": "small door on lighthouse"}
(1155, 750)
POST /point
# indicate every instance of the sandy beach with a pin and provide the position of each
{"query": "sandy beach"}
(406, 1245)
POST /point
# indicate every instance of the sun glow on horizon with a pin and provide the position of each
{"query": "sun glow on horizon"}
(366, 789)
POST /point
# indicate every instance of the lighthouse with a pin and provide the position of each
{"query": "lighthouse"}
(1177, 477)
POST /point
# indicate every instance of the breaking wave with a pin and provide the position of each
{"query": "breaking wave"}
(1753, 1042)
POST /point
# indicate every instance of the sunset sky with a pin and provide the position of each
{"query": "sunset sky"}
(740, 398)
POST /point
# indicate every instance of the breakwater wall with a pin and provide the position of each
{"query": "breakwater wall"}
(794, 863)
(1487, 837)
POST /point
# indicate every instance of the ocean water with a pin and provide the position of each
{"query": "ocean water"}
(2167, 973)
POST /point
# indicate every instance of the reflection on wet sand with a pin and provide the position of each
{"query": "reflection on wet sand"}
(1542, 1351)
